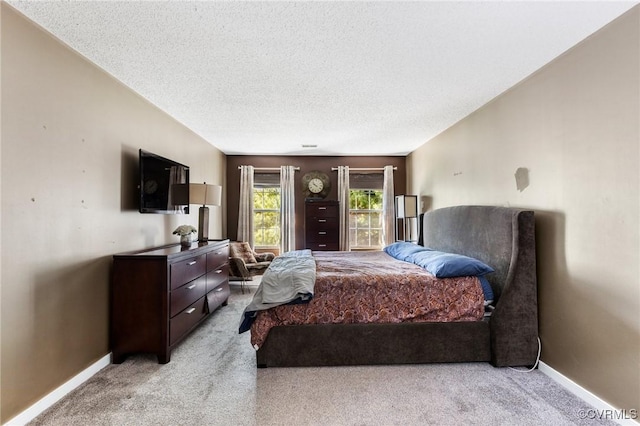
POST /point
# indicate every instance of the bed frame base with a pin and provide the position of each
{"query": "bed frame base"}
(375, 344)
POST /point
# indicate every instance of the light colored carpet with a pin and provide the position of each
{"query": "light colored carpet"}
(212, 380)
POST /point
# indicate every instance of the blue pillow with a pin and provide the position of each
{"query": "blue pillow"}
(447, 265)
(403, 250)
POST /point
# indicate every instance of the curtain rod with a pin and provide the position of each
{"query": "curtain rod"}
(270, 169)
(364, 169)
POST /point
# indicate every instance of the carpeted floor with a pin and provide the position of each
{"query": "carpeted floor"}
(212, 380)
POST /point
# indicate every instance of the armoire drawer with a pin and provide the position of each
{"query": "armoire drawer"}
(322, 236)
(316, 210)
(323, 246)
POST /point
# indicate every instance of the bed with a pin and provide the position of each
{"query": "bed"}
(501, 237)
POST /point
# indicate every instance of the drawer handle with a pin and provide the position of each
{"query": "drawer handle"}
(322, 208)
(322, 233)
(191, 263)
(191, 287)
(322, 245)
(190, 310)
(322, 220)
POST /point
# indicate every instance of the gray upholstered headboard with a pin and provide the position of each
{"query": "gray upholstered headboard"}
(503, 238)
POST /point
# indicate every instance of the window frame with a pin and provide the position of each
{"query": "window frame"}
(261, 188)
(369, 211)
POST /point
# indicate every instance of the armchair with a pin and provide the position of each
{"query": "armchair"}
(245, 263)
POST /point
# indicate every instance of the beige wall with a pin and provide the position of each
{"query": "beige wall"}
(70, 136)
(575, 126)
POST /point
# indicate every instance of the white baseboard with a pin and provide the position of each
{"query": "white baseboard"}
(36, 409)
(602, 408)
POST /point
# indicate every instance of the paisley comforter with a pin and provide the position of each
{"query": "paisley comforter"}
(373, 287)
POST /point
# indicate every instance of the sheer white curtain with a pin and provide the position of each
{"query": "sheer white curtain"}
(287, 209)
(245, 209)
(343, 204)
(388, 208)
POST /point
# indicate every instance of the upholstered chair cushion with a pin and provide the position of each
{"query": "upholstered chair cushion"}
(243, 251)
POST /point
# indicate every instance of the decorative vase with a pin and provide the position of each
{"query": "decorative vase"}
(186, 240)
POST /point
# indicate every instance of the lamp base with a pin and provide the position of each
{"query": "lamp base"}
(203, 224)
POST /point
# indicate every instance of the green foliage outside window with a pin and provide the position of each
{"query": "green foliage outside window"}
(266, 216)
(365, 218)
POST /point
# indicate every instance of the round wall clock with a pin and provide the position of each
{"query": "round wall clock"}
(150, 186)
(316, 184)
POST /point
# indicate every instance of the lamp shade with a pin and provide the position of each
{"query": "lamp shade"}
(205, 195)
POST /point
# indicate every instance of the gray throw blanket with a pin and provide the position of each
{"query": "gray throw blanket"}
(290, 278)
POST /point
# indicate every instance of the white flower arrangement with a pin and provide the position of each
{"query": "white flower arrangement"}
(183, 230)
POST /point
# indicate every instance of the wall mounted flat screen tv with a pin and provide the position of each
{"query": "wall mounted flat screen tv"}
(164, 185)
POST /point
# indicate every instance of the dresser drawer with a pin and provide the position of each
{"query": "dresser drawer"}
(323, 222)
(184, 296)
(322, 236)
(187, 270)
(217, 258)
(319, 246)
(313, 210)
(186, 320)
(217, 277)
(217, 296)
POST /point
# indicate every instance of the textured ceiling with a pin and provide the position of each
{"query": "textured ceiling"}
(353, 78)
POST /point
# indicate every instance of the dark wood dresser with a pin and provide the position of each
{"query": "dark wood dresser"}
(321, 225)
(159, 295)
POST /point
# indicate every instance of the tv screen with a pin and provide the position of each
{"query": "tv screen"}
(164, 185)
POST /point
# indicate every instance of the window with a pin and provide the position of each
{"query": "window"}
(266, 215)
(365, 219)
